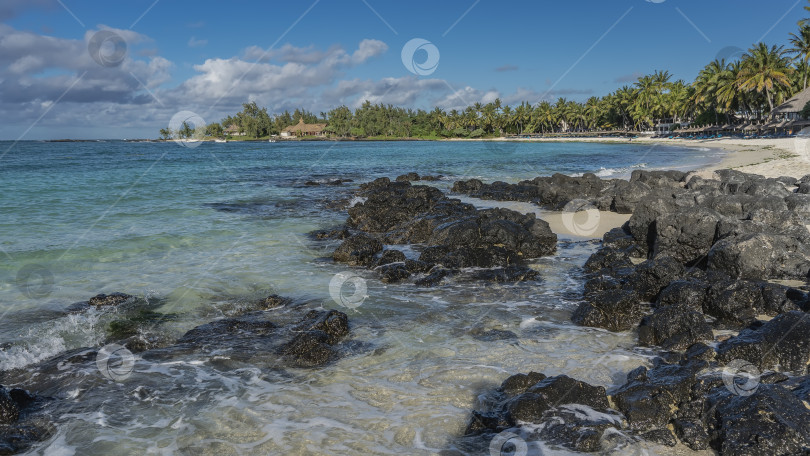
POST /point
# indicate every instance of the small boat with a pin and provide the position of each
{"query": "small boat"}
(221, 140)
(271, 140)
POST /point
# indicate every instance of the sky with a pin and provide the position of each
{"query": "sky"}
(86, 69)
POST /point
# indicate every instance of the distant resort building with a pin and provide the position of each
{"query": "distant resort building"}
(790, 109)
(233, 130)
(303, 129)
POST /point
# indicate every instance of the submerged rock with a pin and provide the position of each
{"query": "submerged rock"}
(112, 299)
(358, 250)
(571, 414)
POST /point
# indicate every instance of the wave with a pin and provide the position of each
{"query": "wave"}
(613, 172)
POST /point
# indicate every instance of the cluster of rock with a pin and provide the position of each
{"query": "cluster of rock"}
(455, 235)
(697, 255)
(19, 426)
(254, 338)
(617, 195)
(681, 398)
(703, 257)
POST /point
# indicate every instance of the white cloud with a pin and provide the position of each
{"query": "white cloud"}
(194, 42)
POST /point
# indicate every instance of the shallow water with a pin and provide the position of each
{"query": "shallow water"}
(205, 232)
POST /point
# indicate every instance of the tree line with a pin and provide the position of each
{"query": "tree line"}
(741, 89)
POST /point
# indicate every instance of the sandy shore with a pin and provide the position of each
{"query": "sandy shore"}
(767, 157)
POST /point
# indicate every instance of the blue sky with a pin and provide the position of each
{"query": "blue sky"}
(208, 57)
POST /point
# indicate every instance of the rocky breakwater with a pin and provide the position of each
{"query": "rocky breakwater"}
(450, 236)
(712, 273)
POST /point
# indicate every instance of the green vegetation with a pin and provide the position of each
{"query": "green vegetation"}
(743, 89)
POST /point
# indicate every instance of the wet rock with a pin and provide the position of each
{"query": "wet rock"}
(358, 250)
(649, 401)
(523, 234)
(576, 427)
(652, 276)
(393, 273)
(658, 178)
(492, 335)
(112, 299)
(391, 256)
(469, 257)
(692, 433)
(570, 413)
(309, 349)
(432, 279)
(781, 342)
(735, 303)
(614, 310)
(333, 323)
(686, 236)
(519, 383)
(509, 274)
(770, 421)
(761, 257)
(690, 293)
(9, 410)
(608, 258)
(562, 389)
(408, 177)
(674, 327)
(800, 204)
(335, 233)
(777, 299)
(273, 302)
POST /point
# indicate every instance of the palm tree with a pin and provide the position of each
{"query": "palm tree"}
(801, 48)
(765, 70)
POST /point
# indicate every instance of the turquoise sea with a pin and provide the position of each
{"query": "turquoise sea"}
(207, 230)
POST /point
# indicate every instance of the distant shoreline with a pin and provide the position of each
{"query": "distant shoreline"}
(768, 157)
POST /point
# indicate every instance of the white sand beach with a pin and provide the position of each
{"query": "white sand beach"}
(767, 157)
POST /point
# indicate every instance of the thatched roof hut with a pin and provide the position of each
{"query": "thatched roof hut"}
(794, 105)
(304, 129)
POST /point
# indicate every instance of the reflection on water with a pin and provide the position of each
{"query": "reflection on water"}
(199, 241)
